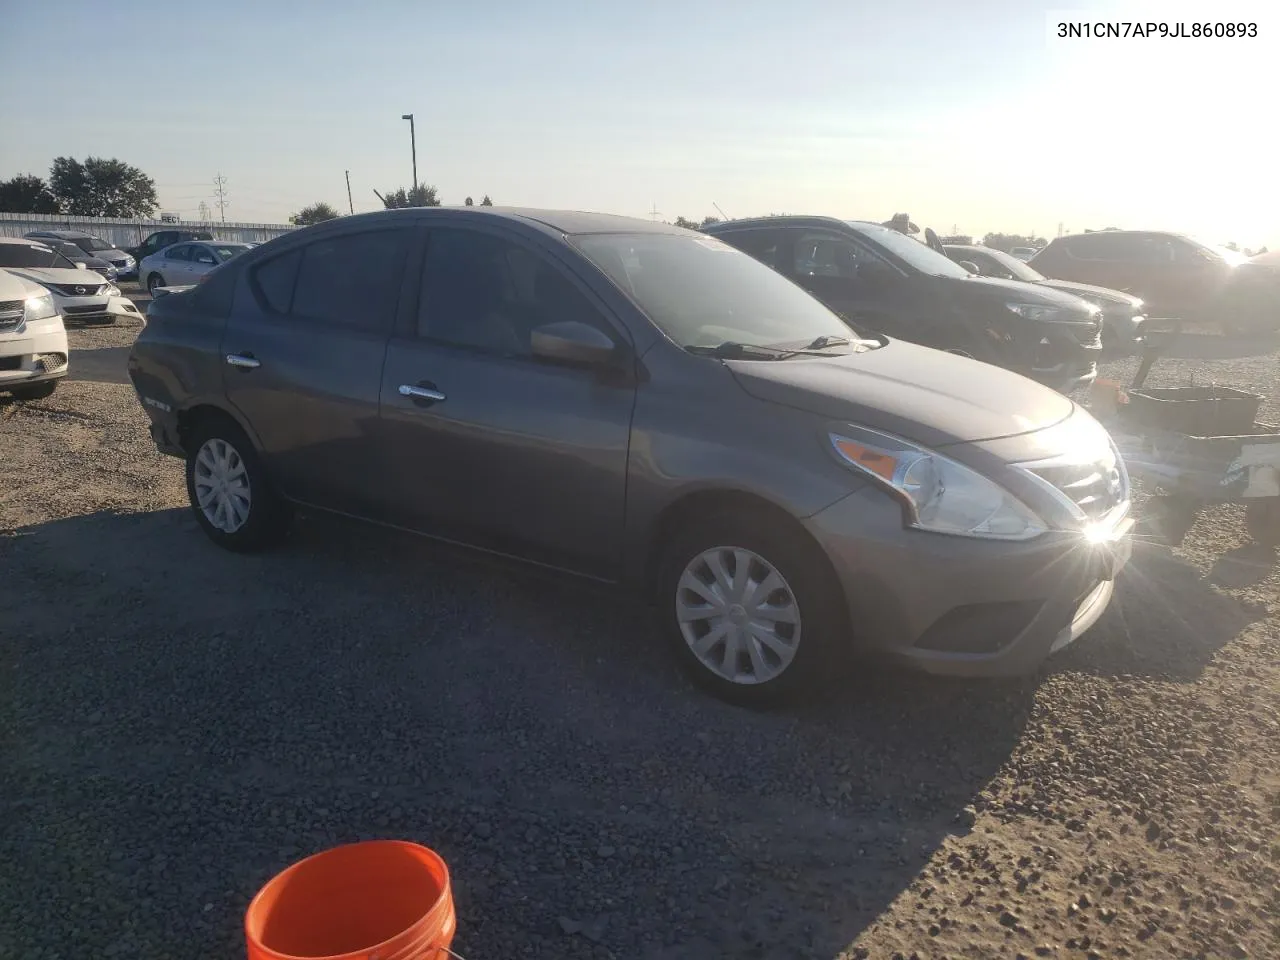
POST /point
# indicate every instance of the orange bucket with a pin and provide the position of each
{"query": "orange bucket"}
(379, 900)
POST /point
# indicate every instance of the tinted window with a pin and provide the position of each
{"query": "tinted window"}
(353, 279)
(215, 295)
(274, 280)
(702, 292)
(913, 252)
(488, 293)
(764, 245)
(1103, 246)
(180, 252)
(28, 255)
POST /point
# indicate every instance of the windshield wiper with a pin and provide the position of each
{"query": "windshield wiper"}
(824, 341)
(733, 350)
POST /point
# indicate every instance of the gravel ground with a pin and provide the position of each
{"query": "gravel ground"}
(180, 723)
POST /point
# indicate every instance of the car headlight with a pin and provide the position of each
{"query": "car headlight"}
(113, 290)
(937, 494)
(39, 307)
(1043, 313)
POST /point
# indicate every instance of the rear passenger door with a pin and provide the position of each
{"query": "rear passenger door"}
(174, 264)
(302, 359)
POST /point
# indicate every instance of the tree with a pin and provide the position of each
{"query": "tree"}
(101, 188)
(687, 224)
(419, 196)
(708, 221)
(316, 213)
(486, 202)
(469, 202)
(1007, 241)
(26, 193)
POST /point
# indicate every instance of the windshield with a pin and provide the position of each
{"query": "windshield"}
(225, 251)
(913, 252)
(1005, 263)
(92, 244)
(68, 250)
(29, 255)
(702, 292)
(1226, 254)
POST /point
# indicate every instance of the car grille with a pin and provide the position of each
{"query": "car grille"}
(11, 363)
(11, 314)
(78, 311)
(1096, 489)
(80, 290)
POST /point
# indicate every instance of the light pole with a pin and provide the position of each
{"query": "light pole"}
(413, 145)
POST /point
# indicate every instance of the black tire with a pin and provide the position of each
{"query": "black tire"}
(153, 281)
(37, 391)
(824, 641)
(268, 516)
(1262, 521)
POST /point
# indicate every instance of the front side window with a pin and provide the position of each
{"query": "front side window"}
(92, 244)
(202, 255)
(912, 252)
(702, 292)
(180, 252)
(353, 279)
(488, 293)
(225, 251)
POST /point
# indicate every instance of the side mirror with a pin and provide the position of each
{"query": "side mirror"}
(571, 342)
(969, 265)
(79, 264)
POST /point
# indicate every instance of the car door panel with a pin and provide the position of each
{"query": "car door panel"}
(309, 385)
(506, 452)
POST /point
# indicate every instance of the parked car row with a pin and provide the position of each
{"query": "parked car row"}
(80, 294)
(33, 340)
(119, 264)
(658, 408)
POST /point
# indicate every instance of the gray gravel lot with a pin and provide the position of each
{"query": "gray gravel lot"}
(180, 723)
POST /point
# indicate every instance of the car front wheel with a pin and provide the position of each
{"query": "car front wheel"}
(229, 490)
(751, 608)
(153, 281)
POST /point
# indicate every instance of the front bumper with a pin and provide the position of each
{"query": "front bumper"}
(1065, 355)
(961, 606)
(98, 309)
(38, 353)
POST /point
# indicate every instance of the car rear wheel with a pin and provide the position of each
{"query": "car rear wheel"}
(229, 490)
(751, 608)
(153, 281)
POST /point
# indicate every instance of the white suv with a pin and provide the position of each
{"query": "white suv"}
(33, 341)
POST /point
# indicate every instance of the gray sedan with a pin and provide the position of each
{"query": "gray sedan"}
(186, 263)
(640, 404)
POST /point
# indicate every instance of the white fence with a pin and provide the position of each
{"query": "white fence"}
(130, 233)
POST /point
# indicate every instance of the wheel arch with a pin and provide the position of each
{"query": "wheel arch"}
(192, 417)
(687, 507)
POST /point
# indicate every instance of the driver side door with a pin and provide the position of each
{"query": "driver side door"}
(482, 442)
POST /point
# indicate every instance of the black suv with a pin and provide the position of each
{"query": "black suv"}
(879, 279)
(167, 238)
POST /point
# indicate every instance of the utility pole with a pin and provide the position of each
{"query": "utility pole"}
(719, 211)
(204, 212)
(654, 212)
(220, 187)
(413, 145)
(350, 206)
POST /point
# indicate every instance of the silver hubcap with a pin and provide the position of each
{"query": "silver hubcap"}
(222, 486)
(738, 615)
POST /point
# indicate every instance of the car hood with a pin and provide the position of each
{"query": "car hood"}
(60, 275)
(928, 396)
(1088, 289)
(13, 286)
(1018, 291)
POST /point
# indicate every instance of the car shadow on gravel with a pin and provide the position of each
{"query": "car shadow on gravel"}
(101, 364)
(190, 721)
(1166, 621)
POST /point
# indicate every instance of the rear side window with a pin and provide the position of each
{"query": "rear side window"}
(353, 280)
(274, 281)
(215, 295)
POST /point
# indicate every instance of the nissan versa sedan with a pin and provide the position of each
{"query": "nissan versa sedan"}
(644, 405)
(186, 263)
(880, 279)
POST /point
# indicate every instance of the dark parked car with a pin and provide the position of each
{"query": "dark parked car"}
(645, 405)
(166, 238)
(1123, 314)
(76, 255)
(879, 279)
(1177, 276)
(123, 264)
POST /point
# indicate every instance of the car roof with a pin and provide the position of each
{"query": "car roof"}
(570, 222)
(748, 223)
(1124, 233)
(25, 241)
(65, 234)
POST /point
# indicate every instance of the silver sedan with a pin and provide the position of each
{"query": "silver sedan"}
(186, 263)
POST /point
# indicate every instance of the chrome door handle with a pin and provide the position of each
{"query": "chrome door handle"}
(242, 361)
(420, 393)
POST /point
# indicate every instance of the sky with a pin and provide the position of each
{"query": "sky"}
(971, 116)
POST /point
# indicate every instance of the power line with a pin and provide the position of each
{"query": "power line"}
(220, 187)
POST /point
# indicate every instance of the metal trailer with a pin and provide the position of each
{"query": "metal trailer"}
(1196, 446)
